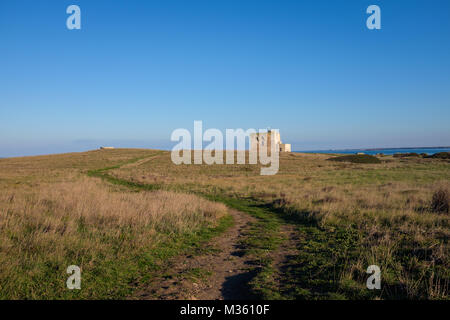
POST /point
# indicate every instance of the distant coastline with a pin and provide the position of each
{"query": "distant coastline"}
(386, 151)
(386, 148)
(407, 148)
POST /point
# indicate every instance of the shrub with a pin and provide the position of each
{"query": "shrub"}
(281, 202)
(440, 201)
(356, 158)
(408, 154)
(440, 155)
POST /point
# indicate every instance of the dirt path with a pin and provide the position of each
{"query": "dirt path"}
(221, 273)
(220, 270)
(139, 162)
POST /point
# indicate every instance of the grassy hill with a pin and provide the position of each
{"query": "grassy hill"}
(122, 214)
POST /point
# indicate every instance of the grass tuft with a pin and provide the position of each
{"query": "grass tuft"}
(440, 201)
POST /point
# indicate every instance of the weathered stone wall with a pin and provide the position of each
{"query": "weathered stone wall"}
(264, 140)
(285, 147)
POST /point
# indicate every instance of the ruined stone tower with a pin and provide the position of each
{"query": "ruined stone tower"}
(266, 139)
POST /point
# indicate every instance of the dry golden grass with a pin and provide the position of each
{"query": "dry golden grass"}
(389, 204)
(54, 217)
(55, 210)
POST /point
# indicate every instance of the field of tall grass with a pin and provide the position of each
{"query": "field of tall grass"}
(348, 215)
(52, 216)
(121, 214)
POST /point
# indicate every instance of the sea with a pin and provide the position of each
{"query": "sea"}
(386, 151)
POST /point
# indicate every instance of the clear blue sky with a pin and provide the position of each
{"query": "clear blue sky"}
(137, 70)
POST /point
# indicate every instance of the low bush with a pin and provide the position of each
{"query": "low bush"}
(440, 201)
(408, 154)
(440, 155)
(356, 158)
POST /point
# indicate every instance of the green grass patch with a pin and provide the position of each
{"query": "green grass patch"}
(104, 276)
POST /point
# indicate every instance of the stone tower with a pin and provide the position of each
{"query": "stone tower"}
(266, 139)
